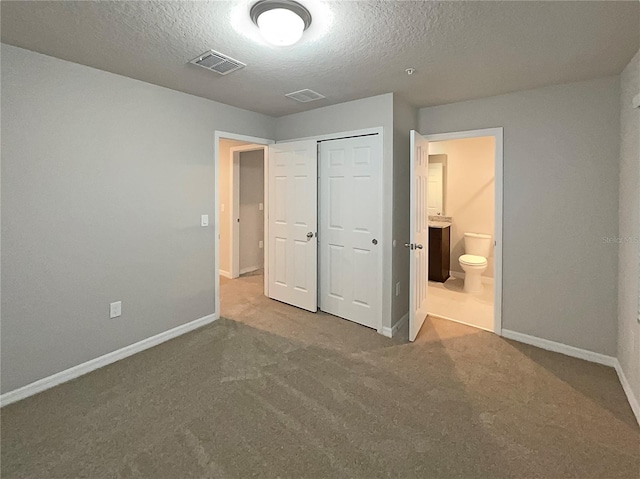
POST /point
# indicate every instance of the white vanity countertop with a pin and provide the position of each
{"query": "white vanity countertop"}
(440, 221)
(439, 224)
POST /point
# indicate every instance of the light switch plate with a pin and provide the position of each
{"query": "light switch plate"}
(398, 288)
(204, 220)
(222, 207)
(260, 244)
(115, 309)
(261, 206)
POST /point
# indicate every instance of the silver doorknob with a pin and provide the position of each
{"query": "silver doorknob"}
(418, 246)
(408, 245)
(374, 241)
(309, 235)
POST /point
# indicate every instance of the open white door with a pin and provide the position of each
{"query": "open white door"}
(419, 239)
(293, 211)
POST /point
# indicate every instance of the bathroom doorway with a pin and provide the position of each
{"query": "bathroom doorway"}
(465, 228)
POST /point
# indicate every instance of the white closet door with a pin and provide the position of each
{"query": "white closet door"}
(350, 229)
(419, 240)
(293, 219)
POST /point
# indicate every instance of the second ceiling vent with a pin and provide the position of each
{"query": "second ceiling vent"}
(217, 62)
(305, 95)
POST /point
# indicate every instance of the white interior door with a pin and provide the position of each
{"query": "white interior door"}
(293, 211)
(419, 240)
(350, 229)
(435, 189)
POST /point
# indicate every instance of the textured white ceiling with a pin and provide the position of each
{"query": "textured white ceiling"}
(353, 49)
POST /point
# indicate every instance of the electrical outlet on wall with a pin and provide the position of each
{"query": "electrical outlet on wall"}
(115, 309)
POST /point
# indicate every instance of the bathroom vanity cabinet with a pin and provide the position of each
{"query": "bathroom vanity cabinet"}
(439, 253)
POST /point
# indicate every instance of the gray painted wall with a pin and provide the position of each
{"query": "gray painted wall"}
(561, 147)
(251, 216)
(629, 271)
(405, 119)
(104, 179)
(370, 112)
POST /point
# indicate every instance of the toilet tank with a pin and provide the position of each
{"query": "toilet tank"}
(477, 244)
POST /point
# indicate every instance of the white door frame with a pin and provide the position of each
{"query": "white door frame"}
(217, 136)
(498, 134)
(234, 210)
(340, 134)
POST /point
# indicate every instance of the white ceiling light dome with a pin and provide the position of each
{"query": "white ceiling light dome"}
(281, 22)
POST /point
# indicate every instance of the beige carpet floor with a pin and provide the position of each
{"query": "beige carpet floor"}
(271, 391)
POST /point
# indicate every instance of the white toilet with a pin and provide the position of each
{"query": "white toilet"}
(477, 249)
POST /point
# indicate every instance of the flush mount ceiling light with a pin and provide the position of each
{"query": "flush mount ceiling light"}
(281, 22)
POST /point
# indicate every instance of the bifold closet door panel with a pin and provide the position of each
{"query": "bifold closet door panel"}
(293, 220)
(350, 228)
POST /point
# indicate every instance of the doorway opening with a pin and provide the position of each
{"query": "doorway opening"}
(242, 178)
(465, 228)
(241, 207)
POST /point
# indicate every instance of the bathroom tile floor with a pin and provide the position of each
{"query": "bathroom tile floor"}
(449, 301)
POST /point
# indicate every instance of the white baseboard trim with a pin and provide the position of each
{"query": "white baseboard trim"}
(391, 332)
(580, 354)
(250, 269)
(226, 274)
(560, 348)
(93, 364)
(633, 400)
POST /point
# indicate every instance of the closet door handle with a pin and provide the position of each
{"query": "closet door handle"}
(309, 235)
(418, 246)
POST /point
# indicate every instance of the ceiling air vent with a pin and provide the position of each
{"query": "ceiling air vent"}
(305, 95)
(217, 62)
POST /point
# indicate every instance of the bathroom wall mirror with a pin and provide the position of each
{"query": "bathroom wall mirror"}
(437, 184)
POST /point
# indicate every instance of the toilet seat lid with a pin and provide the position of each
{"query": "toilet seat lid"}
(473, 260)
